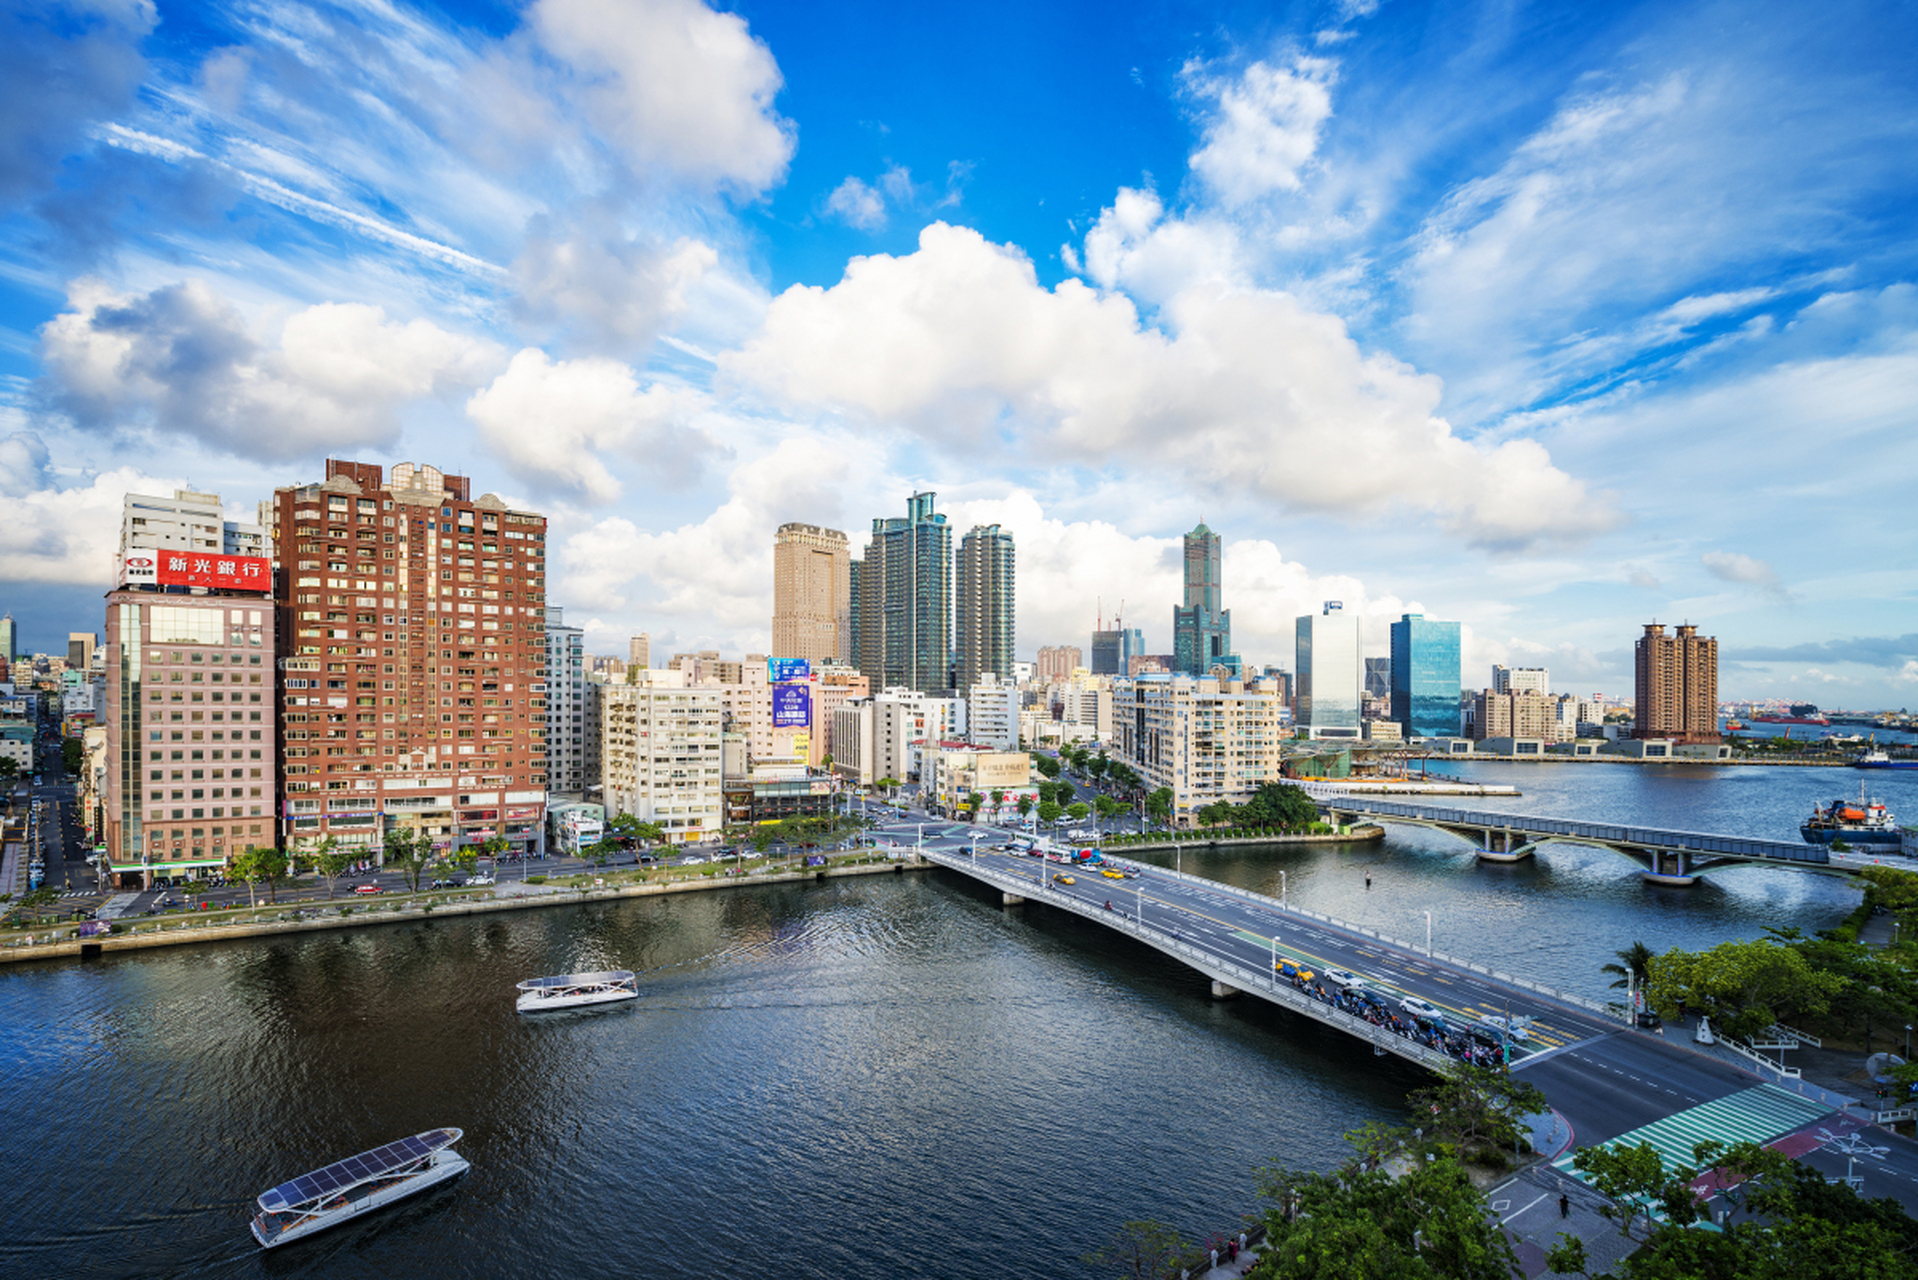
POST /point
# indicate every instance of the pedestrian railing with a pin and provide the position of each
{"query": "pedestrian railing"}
(1752, 1055)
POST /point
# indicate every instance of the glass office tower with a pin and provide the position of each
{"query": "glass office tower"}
(1425, 676)
(1331, 674)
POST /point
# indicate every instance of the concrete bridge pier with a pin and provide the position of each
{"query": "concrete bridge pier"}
(1220, 991)
(1011, 899)
(1496, 846)
(1669, 866)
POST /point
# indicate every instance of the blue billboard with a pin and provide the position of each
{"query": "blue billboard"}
(782, 670)
(792, 706)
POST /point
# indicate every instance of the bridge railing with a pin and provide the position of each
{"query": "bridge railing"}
(1224, 969)
(1604, 833)
(1273, 905)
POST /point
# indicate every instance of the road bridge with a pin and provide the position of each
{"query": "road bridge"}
(1669, 857)
(1235, 937)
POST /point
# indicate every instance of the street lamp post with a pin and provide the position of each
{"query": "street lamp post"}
(1428, 935)
(975, 844)
(1275, 958)
(1281, 890)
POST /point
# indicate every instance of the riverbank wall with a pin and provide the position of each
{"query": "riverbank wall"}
(176, 931)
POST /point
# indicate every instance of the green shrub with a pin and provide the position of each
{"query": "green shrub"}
(535, 879)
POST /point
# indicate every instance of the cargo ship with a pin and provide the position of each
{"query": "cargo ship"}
(1861, 823)
(1811, 719)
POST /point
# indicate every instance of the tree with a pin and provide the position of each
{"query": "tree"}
(1139, 1250)
(1049, 811)
(1476, 1110)
(1159, 804)
(1107, 808)
(974, 803)
(409, 852)
(331, 862)
(1428, 1221)
(1743, 986)
(1279, 804)
(888, 784)
(1632, 1180)
(1025, 805)
(1079, 810)
(1634, 966)
(248, 867)
(1047, 765)
(1216, 814)
(274, 866)
(1098, 765)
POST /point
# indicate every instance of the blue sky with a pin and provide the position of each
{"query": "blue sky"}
(1551, 319)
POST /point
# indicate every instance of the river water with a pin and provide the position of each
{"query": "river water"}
(868, 1078)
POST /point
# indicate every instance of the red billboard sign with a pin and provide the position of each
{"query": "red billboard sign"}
(198, 569)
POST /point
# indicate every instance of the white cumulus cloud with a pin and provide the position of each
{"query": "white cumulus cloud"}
(857, 205)
(1261, 127)
(1242, 389)
(550, 421)
(184, 360)
(672, 83)
(1731, 566)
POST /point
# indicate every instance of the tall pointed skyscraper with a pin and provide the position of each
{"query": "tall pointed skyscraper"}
(985, 605)
(1201, 629)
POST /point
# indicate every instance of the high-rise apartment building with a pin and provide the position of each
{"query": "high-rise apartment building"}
(660, 753)
(80, 650)
(1520, 679)
(413, 655)
(639, 650)
(1208, 740)
(1425, 676)
(812, 594)
(1201, 627)
(9, 639)
(1676, 686)
(986, 623)
(1520, 714)
(1056, 663)
(905, 609)
(1330, 673)
(565, 706)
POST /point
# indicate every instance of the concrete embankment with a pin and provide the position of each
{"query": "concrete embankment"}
(1363, 831)
(174, 931)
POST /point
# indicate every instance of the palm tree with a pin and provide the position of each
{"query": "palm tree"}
(1637, 969)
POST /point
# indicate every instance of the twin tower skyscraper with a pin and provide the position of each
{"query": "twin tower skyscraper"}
(894, 613)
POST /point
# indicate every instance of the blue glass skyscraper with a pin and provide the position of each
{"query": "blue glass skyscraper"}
(1425, 676)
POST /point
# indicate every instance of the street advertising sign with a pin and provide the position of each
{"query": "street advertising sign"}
(197, 569)
(784, 670)
(792, 706)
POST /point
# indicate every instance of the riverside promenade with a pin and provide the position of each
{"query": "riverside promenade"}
(62, 940)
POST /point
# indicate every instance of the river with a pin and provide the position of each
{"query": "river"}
(867, 1078)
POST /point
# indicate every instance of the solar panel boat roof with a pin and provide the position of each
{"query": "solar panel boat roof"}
(576, 980)
(350, 1172)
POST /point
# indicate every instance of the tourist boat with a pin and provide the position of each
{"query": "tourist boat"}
(1859, 822)
(572, 990)
(356, 1185)
(1879, 760)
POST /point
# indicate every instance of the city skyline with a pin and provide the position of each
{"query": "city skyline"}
(1546, 320)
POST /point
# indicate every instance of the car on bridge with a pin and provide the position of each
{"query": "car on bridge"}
(368, 888)
(1111, 874)
(1345, 978)
(1513, 1028)
(1422, 1009)
(1064, 880)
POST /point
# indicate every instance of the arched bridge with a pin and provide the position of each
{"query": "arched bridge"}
(1669, 857)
